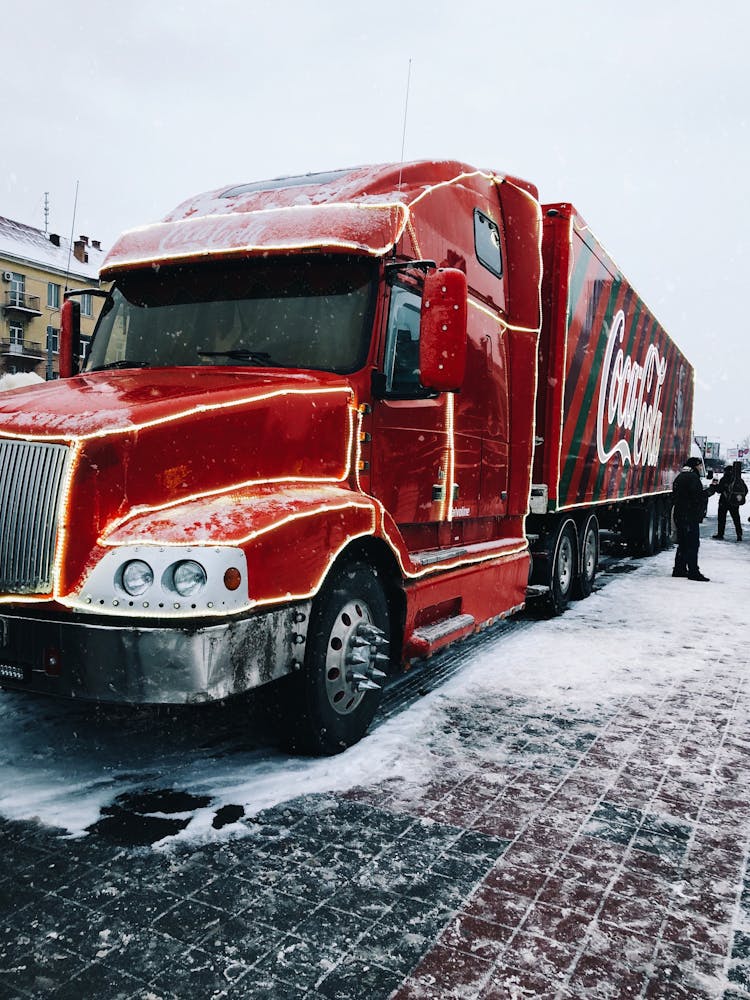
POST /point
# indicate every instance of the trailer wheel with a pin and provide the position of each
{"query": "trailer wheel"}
(563, 570)
(663, 527)
(650, 530)
(589, 559)
(337, 692)
(642, 540)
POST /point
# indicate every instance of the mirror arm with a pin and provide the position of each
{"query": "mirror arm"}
(392, 268)
(100, 293)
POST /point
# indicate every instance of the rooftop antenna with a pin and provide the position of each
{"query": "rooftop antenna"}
(403, 136)
(72, 230)
(46, 212)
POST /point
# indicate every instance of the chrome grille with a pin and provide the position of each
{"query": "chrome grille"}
(31, 480)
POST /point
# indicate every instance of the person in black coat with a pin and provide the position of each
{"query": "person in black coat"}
(689, 500)
(732, 493)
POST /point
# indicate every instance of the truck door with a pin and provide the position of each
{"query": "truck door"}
(417, 447)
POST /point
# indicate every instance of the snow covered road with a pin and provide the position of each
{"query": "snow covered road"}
(64, 763)
(565, 818)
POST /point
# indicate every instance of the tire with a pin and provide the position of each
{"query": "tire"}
(642, 538)
(563, 573)
(650, 530)
(665, 521)
(664, 527)
(589, 563)
(329, 710)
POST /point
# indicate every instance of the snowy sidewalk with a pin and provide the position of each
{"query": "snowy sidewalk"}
(568, 817)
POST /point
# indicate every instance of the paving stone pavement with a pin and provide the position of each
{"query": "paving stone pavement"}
(606, 857)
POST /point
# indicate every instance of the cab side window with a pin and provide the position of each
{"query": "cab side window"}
(402, 344)
(487, 243)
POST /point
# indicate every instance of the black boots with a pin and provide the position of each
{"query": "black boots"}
(690, 576)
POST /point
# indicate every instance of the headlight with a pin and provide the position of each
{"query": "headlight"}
(188, 578)
(153, 580)
(136, 577)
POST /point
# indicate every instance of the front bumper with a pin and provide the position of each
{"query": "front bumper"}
(134, 664)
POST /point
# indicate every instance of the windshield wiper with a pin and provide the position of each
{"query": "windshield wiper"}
(238, 354)
(122, 363)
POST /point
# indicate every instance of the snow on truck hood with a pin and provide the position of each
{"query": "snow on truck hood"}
(100, 403)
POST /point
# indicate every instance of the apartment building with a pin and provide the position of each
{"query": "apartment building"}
(36, 269)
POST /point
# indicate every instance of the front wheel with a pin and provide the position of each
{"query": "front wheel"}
(335, 695)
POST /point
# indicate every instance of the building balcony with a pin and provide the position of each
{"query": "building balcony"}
(28, 349)
(21, 304)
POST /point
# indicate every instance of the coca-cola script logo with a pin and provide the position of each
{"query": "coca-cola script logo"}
(630, 396)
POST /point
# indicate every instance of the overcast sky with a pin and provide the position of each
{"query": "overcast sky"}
(636, 112)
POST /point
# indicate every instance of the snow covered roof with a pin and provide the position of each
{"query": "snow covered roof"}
(25, 244)
(362, 209)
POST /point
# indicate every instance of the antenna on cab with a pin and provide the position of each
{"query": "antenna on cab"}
(403, 136)
(72, 230)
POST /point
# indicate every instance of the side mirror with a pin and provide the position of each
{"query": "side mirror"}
(70, 338)
(442, 336)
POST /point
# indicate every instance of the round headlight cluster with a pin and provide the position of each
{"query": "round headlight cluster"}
(136, 577)
(188, 578)
(172, 579)
(185, 578)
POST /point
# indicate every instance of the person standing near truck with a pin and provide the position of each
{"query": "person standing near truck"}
(689, 498)
(732, 493)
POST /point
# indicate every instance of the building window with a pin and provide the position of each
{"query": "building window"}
(85, 348)
(53, 339)
(16, 336)
(17, 289)
(53, 295)
(87, 305)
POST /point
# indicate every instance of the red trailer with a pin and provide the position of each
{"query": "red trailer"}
(613, 412)
(300, 449)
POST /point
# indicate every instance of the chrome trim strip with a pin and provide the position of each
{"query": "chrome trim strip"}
(428, 557)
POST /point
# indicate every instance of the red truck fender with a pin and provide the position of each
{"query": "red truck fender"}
(312, 524)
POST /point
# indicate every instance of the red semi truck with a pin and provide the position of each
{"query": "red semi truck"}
(327, 425)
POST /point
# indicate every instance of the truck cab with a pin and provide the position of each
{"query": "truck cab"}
(298, 452)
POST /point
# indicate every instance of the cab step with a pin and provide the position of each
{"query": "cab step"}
(426, 639)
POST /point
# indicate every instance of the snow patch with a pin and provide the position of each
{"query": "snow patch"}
(14, 380)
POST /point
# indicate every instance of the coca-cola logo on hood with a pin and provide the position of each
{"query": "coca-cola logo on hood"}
(630, 398)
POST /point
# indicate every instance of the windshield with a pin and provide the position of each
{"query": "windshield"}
(289, 312)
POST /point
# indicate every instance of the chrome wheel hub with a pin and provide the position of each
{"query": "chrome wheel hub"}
(355, 648)
(589, 555)
(565, 564)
